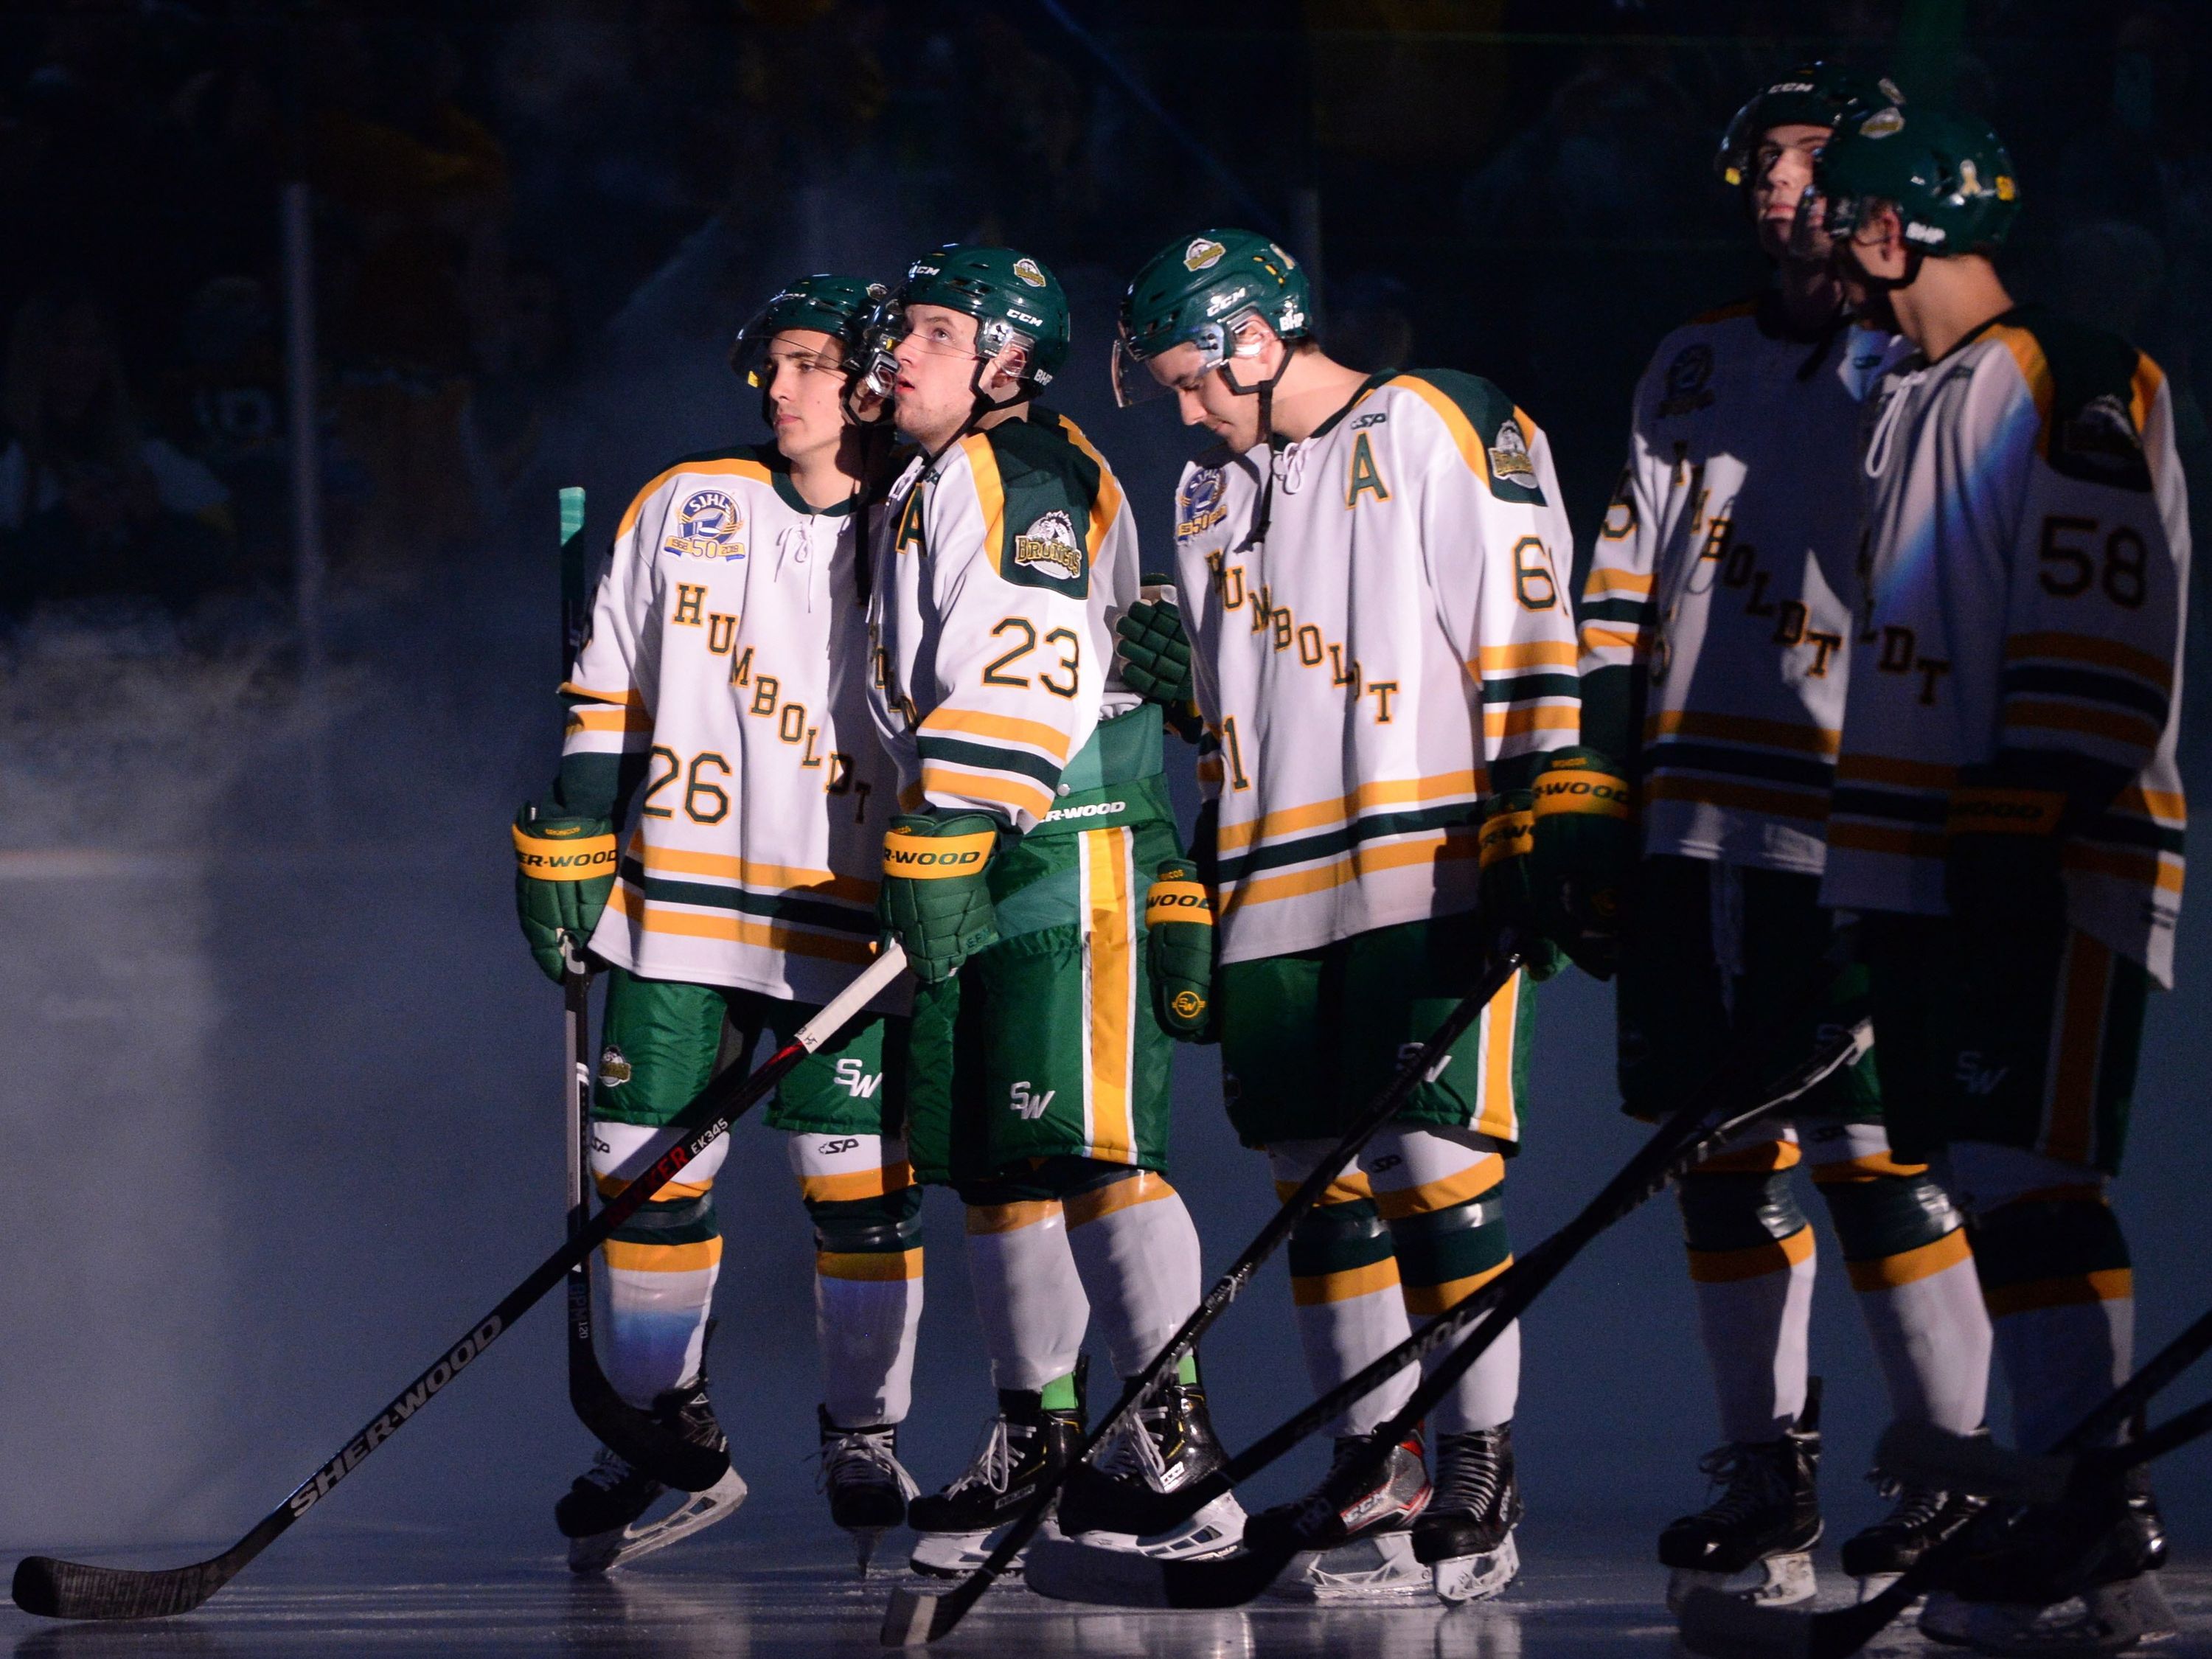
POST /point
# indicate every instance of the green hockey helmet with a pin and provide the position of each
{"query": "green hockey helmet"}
(1015, 301)
(1200, 291)
(840, 307)
(1814, 94)
(1947, 175)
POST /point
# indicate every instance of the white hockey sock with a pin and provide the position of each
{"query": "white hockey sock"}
(1028, 1296)
(859, 1192)
(1138, 1251)
(1343, 1284)
(1757, 1333)
(660, 1266)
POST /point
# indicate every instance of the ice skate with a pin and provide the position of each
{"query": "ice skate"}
(1021, 1450)
(2077, 1576)
(868, 1487)
(1374, 1559)
(1755, 1540)
(600, 1513)
(1466, 1533)
(1923, 1517)
(1164, 1447)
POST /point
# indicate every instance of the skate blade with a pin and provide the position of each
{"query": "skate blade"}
(2112, 1618)
(1779, 1580)
(1380, 1567)
(1215, 1529)
(605, 1551)
(955, 1554)
(865, 1540)
(1477, 1577)
(1872, 1584)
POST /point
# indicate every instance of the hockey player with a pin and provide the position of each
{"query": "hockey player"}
(722, 691)
(1035, 823)
(1715, 655)
(1369, 568)
(2008, 814)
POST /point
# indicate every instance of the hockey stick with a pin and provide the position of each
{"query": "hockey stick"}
(1076, 1571)
(70, 1589)
(1723, 1626)
(1155, 1512)
(1928, 1456)
(916, 1616)
(638, 1438)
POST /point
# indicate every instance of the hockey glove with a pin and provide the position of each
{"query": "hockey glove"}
(2001, 864)
(1585, 844)
(936, 899)
(1155, 659)
(564, 870)
(1507, 903)
(1179, 949)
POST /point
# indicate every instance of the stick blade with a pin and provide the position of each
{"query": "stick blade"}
(1724, 1627)
(54, 1589)
(1069, 1572)
(1924, 1453)
(908, 1618)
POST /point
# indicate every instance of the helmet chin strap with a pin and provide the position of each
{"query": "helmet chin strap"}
(1265, 393)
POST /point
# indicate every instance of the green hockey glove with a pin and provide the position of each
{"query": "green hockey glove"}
(1508, 896)
(2002, 877)
(936, 900)
(1585, 846)
(1155, 657)
(1179, 946)
(564, 870)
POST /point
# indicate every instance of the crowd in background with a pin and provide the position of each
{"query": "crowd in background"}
(1522, 187)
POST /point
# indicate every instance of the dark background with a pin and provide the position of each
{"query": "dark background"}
(280, 1086)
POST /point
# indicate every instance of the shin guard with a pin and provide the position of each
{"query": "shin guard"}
(866, 1211)
(661, 1265)
(1137, 1251)
(1752, 1261)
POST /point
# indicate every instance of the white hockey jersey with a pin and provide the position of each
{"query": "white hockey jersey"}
(2024, 571)
(729, 648)
(1715, 649)
(1401, 633)
(999, 573)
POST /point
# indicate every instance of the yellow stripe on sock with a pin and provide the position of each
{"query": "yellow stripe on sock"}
(664, 1258)
(1885, 1272)
(1312, 1291)
(1141, 1188)
(1347, 1189)
(610, 1186)
(1872, 1167)
(869, 1266)
(1733, 1267)
(1426, 1299)
(2075, 1289)
(1763, 1160)
(856, 1183)
(1010, 1217)
(1478, 1178)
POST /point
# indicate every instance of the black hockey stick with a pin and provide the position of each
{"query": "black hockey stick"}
(1076, 1571)
(639, 1437)
(916, 1616)
(1723, 1626)
(70, 1589)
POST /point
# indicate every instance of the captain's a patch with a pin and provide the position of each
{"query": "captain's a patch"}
(1049, 548)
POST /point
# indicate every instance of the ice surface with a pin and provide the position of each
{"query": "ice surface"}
(770, 1585)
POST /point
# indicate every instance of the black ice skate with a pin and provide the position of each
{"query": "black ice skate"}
(599, 1515)
(1165, 1446)
(868, 1487)
(1466, 1533)
(1766, 1521)
(1025, 1447)
(1923, 1517)
(2076, 1576)
(1370, 1556)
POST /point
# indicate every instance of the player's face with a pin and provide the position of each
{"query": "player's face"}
(805, 376)
(935, 389)
(1203, 399)
(1781, 169)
